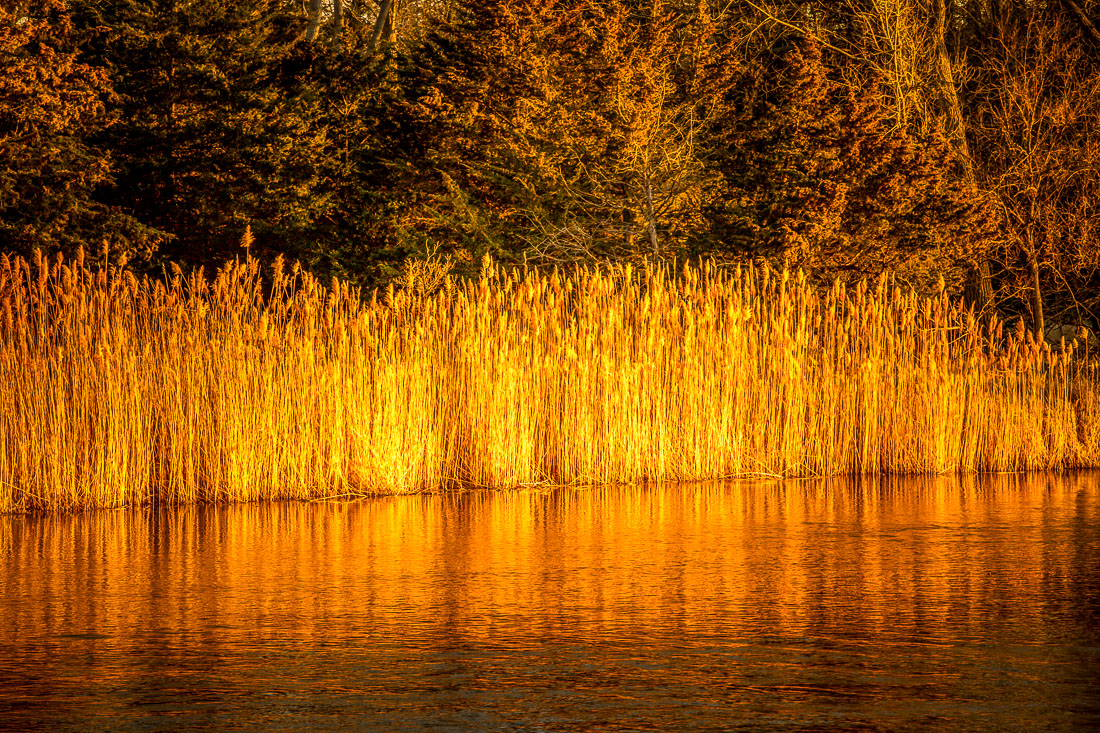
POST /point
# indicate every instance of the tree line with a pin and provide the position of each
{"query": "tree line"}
(948, 141)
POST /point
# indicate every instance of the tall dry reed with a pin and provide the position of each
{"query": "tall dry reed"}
(121, 390)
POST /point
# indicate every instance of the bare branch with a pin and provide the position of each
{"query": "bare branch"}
(1086, 23)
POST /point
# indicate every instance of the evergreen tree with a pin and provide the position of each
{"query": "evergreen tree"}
(565, 129)
(362, 166)
(211, 135)
(813, 174)
(50, 104)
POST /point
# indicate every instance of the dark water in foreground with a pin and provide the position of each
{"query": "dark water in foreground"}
(918, 604)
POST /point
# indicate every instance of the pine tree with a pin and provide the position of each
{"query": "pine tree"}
(210, 136)
(362, 166)
(813, 174)
(565, 129)
(50, 105)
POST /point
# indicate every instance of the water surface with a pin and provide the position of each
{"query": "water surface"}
(922, 604)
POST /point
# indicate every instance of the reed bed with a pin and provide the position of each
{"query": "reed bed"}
(123, 390)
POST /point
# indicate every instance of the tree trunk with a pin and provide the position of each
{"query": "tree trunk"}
(384, 28)
(1036, 302)
(1086, 23)
(651, 214)
(313, 27)
(947, 97)
(337, 22)
(979, 290)
(391, 23)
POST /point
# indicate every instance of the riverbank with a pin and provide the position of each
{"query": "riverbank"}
(119, 390)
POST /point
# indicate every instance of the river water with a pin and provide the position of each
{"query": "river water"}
(916, 604)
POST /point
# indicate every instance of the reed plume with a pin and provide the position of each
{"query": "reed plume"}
(124, 390)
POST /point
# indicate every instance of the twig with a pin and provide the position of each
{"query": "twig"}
(793, 27)
(1086, 23)
(345, 495)
(25, 491)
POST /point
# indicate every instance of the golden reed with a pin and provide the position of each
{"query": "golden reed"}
(122, 390)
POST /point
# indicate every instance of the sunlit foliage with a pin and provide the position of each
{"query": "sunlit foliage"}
(51, 103)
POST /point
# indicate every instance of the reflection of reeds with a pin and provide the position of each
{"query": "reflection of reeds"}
(124, 390)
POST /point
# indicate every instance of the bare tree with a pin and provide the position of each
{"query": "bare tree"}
(1036, 126)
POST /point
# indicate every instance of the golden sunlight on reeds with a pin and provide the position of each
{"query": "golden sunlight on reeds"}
(124, 390)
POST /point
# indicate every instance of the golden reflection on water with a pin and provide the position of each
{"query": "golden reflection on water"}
(926, 560)
(895, 604)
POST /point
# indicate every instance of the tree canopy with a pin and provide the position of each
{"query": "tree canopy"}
(936, 139)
